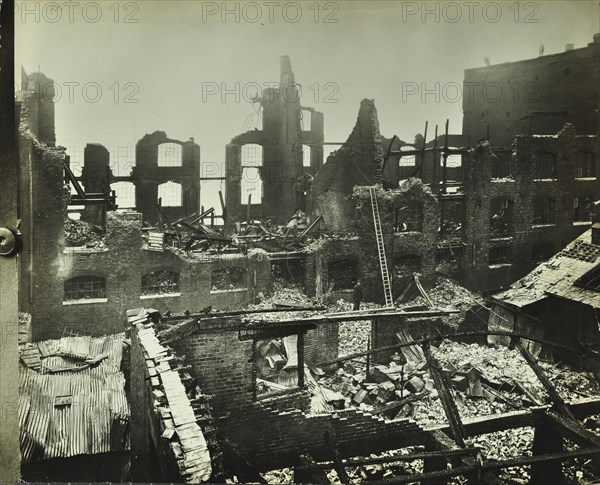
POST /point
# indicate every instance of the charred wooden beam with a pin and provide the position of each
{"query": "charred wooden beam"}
(443, 387)
(571, 429)
(337, 458)
(555, 397)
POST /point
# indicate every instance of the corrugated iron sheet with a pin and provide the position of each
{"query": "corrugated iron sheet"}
(96, 419)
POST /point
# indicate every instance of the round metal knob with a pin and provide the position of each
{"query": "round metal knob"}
(8, 242)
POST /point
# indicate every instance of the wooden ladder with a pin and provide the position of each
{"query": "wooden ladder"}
(385, 275)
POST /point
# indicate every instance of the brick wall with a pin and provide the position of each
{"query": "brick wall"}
(123, 264)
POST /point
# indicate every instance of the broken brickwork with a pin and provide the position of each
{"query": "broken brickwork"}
(358, 162)
(278, 153)
(126, 268)
(273, 432)
(168, 444)
(96, 177)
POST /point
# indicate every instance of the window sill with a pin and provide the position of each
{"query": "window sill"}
(233, 290)
(159, 295)
(85, 302)
(544, 180)
(496, 239)
(402, 233)
(83, 250)
(538, 226)
(502, 179)
(584, 179)
(501, 265)
(582, 223)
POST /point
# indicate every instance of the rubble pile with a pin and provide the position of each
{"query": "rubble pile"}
(354, 336)
(570, 384)
(80, 233)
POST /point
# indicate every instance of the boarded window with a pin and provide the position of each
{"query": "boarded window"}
(545, 165)
(169, 155)
(582, 209)
(170, 194)
(541, 252)
(85, 288)
(125, 192)
(500, 255)
(586, 165)
(501, 217)
(160, 282)
(343, 274)
(229, 278)
(407, 264)
(543, 211)
(408, 218)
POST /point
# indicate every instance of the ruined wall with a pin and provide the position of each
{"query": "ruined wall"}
(147, 175)
(96, 177)
(282, 136)
(523, 189)
(160, 402)
(273, 432)
(358, 162)
(122, 263)
(503, 95)
(39, 103)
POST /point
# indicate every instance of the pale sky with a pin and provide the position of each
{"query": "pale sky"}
(172, 57)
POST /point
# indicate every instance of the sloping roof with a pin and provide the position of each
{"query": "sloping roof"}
(68, 403)
(556, 277)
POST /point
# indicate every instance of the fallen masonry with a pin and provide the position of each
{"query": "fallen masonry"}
(439, 409)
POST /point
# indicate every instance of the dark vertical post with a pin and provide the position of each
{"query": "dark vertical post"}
(300, 352)
(10, 457)
(254, 369)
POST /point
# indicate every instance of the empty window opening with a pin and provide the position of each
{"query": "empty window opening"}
(582, 209)
(586, 165)
(160, 282)
(170, 194)
(85, 288)
(306, 119)
(125, 192)
(448, 261)
(408, 218)
(545, 166)
(502, 165)
(453, 216)
(500, 255)
(407, 264)
(543, 211)
(277, 366)
(541, 252)
(252, 155)
(251, 184)
(501, 214)
(407, 163)
(306, 155)
(170, 155)
(229, 278)
(343, 274)
(590, 280)
(290, 271)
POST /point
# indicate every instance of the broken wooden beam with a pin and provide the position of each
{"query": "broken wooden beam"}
(443, 387)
